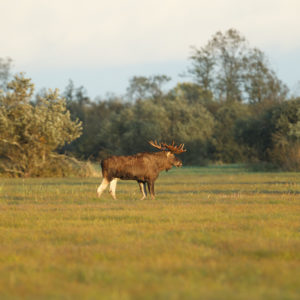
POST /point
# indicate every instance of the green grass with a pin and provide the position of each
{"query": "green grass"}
(212, 233)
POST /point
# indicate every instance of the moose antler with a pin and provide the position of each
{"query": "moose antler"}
(175, 149)
(172, 148)
(158, 146)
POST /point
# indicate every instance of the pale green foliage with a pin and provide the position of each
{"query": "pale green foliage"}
(30, 133)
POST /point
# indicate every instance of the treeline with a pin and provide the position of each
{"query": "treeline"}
(231, 108)
(265, 133)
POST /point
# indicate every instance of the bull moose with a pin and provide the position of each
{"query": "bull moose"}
(142, 167)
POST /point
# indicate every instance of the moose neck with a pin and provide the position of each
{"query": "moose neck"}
(162, 161)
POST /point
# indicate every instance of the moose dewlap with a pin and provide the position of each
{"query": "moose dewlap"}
(142, 167)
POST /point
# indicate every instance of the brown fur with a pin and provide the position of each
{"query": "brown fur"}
(142, 167)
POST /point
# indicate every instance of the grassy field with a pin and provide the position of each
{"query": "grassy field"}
(212, 233)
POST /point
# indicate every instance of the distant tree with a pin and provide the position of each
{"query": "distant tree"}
(104, 129)
(192, 125)
(5, 72)
(30, 133)
(260, 83)
(203, 64)
(218, 66)
(191, 93)
(76, 100)
(225, 147)
(82, 108)
(294, 126)
(285, 151)
(274, 135)
(233, 71)
(144, 121)
(126, 127)
(141, 87)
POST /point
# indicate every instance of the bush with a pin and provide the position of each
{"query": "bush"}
(31, 132)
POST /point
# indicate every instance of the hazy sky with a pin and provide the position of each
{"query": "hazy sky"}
(102, 44)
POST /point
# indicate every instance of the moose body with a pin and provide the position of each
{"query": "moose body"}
(142, 167)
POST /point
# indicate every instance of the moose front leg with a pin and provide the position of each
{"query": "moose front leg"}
(112, 188)
(143, 189)
(151, 189)
(102, 186)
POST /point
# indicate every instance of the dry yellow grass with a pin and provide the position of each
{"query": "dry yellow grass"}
(212, 233)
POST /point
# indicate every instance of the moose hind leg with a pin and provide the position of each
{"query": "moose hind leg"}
(102, 186)
(143, 189)
(151, 189)
(112, 188)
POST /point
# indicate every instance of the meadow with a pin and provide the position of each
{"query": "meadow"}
(219, 232)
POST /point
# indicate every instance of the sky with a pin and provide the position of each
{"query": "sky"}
(101, 44)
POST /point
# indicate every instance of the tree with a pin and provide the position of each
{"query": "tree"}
(285, 151)
(233, 71)
(225, 147)
(142, 122)
(30, 133)
(5, 66)
(192, 125)
(218, 66)
(141, 87)
(274, 135)
(260, 82)
(202, 70)
(191, 93)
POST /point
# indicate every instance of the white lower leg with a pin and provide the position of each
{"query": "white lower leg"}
(143, 189)
(102, 186)
(112, 187)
